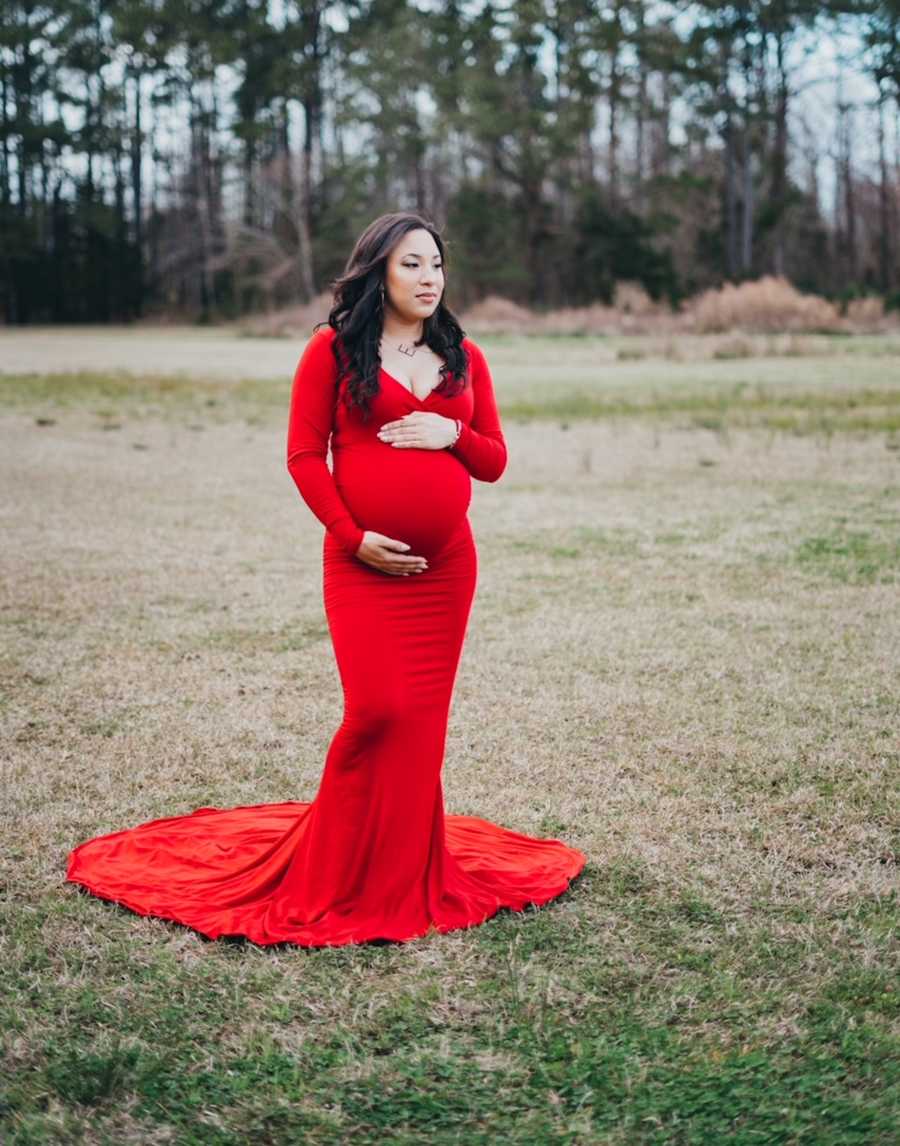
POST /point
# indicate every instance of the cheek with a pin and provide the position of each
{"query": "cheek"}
(401, 279)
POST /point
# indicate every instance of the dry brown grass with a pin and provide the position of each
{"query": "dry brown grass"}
(176, 586)
(868, 314)
(682, 658)
(286, 322)
(769, 306)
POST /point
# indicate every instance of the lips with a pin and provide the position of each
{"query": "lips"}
(427, 297)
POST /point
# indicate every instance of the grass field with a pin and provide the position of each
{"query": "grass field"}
(682, 658)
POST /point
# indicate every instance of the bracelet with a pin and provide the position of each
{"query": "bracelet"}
(458, 432)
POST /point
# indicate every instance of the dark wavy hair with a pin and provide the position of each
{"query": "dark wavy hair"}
(357, 313)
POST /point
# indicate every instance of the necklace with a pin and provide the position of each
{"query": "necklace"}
(407, 348)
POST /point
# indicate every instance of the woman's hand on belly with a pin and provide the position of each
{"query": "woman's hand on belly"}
(421, 430)
(388, 555)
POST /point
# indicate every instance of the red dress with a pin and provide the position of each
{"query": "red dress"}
(373, 856)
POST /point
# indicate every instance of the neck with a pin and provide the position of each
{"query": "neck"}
(397, 329)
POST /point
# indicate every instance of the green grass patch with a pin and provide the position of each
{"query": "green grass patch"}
(716, 403)
(864, 410)
(851, 556)
(670, 1033)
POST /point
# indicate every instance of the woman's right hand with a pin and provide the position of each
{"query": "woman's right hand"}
(388, 555)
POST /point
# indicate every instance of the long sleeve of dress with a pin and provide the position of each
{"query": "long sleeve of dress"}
(481, 446)
(310, 424)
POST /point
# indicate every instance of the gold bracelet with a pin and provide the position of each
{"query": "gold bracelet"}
(458, 431)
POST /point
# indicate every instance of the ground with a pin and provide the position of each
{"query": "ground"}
(682, 658)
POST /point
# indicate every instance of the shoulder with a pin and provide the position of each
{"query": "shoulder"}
(477, 358)
(476, 354)
(318, 348)
(323, 337)
(317, 364)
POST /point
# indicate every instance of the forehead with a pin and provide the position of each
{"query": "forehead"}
(420, 243)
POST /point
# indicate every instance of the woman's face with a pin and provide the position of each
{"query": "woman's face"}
(414, 277)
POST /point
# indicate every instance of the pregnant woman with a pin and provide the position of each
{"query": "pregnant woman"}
(407, 404)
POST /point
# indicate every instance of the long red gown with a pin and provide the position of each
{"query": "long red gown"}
(373, 856)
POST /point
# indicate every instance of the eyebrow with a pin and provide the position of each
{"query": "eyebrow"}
(416, 255)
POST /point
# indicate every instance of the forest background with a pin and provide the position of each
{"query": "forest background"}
(204, 160)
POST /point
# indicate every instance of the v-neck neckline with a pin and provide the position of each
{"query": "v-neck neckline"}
(407, 390)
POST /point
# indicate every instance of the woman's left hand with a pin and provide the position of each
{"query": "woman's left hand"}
(419, 429)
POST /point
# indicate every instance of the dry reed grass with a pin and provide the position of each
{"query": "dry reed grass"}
(868, 314)
(769, 305)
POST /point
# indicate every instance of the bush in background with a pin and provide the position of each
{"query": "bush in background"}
(769, 305)
(764, 306)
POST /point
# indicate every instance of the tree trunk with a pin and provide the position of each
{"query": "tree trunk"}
(5, 195)
(849, 200)
(641, 107)
(121, 302)
(747, 228)
(305, 269)
(613, 143)
(779, 158)
(137, 195)
(885, 262)
(731, 219)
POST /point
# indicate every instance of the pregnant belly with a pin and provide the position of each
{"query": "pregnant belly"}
(412, 495)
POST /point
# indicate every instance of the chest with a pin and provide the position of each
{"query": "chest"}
(419, 373)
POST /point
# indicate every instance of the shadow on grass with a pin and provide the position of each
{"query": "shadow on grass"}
(243, 942)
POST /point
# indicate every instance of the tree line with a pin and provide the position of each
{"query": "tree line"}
(206, 158)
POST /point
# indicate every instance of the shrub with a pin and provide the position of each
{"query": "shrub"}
(494, 313)
(769, 304)
(631, 298)
(866, 313)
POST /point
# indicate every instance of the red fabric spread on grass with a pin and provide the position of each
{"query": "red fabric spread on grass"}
(373, 855)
